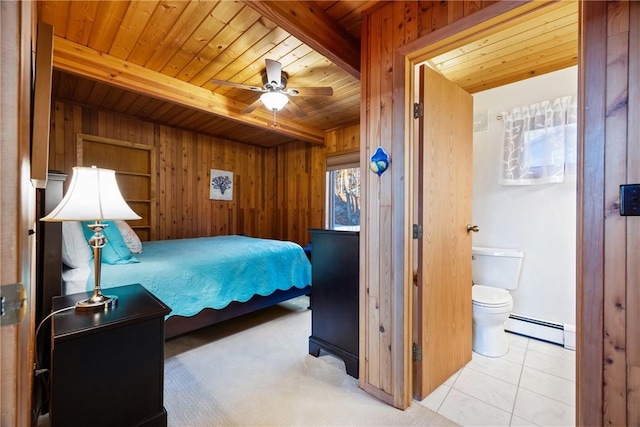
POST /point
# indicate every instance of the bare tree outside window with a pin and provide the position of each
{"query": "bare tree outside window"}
(345, 203)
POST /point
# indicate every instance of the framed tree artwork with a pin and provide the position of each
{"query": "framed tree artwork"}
(221, 185)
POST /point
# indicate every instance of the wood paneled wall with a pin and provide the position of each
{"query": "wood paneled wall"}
(385, 318)
(184, 208)
(278, 192)
(301, 192)
(608, 350)
(292, 180)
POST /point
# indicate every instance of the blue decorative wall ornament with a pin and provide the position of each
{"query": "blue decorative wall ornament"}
(380, 161)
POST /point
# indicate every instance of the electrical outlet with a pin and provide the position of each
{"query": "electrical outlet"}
(630, 200)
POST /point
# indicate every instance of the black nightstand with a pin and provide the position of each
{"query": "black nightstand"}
(107, 367)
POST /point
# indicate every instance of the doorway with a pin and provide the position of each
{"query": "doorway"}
(414, 57)
(535, 373)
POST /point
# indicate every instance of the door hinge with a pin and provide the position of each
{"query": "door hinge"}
(417, 231)
(417, 352)
(13, 304)
(418, 110)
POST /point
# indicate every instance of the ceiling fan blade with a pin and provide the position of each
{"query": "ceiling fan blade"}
(249, 108)
(309, 91)
(291, 106)
(237, 85)
(274, 72)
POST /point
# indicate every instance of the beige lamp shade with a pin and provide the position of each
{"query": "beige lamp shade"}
(93, 194)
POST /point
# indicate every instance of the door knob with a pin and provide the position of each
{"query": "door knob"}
(473, 228)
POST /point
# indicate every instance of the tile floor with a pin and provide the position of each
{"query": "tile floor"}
(533, 384)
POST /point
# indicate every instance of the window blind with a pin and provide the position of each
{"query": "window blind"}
(343, 161)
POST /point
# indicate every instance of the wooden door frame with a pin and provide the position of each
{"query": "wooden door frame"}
(18, 216)
(406, 59)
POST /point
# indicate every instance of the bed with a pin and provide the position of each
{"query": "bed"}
(204, 280)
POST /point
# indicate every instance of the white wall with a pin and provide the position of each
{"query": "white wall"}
(540, 220)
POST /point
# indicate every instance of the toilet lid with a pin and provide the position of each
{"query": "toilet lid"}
(488, 296)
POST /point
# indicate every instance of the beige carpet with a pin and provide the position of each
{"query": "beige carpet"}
(256, 371)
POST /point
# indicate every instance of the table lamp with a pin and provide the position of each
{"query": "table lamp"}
(93, 195)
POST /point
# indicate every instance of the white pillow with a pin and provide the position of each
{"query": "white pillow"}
(130, 237)
(76, 251)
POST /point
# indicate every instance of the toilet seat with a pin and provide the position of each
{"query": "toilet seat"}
(486, 296)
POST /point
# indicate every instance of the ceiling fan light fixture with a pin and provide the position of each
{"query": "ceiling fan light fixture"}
(274, 101)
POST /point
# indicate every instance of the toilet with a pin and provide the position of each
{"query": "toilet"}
(494, 272)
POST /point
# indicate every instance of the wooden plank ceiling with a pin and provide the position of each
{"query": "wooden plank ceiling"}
(154, 60)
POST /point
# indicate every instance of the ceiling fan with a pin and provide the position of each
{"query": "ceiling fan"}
(275, 94)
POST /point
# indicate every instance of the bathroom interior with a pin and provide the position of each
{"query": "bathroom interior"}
(536, 221)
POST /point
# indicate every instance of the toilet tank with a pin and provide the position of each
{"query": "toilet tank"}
(495, 267)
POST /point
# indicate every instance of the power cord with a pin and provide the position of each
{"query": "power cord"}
(38, 372)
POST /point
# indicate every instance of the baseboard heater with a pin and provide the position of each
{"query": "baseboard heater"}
(559, 333)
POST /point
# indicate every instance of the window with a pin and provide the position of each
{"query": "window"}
(539, 142)
(343, 192)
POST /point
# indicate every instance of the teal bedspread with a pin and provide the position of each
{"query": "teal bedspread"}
(191, 274)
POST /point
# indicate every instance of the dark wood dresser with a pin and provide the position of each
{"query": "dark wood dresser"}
(335, 295)
(107, 367)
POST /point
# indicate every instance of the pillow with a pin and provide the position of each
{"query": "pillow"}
(76, 252)
(115, 251)
(129, 237)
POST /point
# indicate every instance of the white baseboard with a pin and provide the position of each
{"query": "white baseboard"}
(569, 336)
(562, 334)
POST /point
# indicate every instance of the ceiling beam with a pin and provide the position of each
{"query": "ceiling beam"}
(316, 29)
(86, 62)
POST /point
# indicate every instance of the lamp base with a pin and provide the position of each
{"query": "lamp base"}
(96, 303)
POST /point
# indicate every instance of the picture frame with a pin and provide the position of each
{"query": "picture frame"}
(221, 185)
